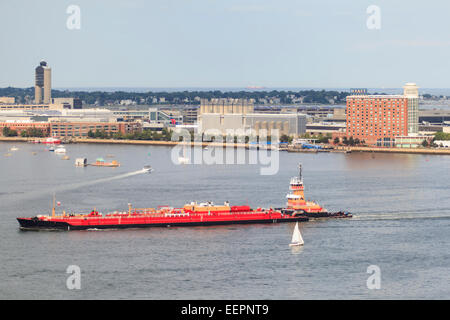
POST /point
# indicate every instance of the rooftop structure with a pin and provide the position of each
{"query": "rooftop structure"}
(226, 106)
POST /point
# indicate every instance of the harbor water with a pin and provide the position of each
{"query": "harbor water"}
(401, 224)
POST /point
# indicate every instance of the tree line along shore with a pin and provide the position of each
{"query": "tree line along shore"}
(102, 98)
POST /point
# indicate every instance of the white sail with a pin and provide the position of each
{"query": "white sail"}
(297, 236)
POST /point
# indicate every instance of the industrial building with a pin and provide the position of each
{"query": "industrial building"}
(67, 103)
(154, 115)
(7, 100)
(325, 128)
(190, 114)
(238, 114)
(30, 107)
(434, 116)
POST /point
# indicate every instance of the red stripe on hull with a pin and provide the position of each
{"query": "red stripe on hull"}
(74, 223)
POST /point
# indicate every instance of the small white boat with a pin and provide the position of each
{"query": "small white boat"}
(81, 162)
(148, 169)
(14, 148)
(297, 239)
(60, 149)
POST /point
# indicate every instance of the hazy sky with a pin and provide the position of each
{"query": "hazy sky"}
(227, 43)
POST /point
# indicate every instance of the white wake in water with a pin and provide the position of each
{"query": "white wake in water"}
(102, 180)
(73, 186)
(400, 216)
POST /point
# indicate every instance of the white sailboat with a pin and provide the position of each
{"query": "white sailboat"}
(297, 239)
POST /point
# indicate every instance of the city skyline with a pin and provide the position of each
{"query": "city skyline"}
(214, 44)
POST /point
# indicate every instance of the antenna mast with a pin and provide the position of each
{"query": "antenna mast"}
(53, 208)
(300, 171)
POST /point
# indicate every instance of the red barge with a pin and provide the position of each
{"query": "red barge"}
(205, 214)
(193, 214)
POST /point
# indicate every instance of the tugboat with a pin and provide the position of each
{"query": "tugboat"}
(297, 205)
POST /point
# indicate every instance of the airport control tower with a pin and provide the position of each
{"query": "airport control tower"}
(43, 84)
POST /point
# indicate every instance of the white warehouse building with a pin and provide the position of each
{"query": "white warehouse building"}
(289, 124)
(238, 114)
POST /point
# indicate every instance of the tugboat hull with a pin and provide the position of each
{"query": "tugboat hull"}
(328, 215)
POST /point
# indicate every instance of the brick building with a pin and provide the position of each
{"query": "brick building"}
(21, 126)
(378, 119)
(81, 129)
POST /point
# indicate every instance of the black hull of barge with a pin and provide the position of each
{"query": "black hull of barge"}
(35, 224)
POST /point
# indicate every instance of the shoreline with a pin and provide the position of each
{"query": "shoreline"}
(161, 143)
(239, 145)
(396, 150)
(131, 142)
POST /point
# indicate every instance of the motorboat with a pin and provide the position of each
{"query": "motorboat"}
(147, 169)
(60, 149)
